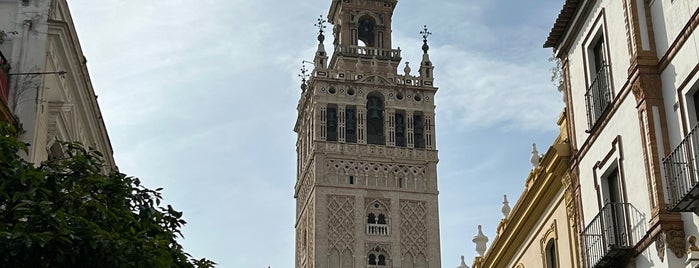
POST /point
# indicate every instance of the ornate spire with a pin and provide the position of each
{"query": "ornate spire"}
(425, 33)
(463, 263)
(506, 207)
(480, 240)
(321, 28)
(535, 159)
(304, 76)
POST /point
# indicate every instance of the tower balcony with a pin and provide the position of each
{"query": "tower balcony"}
(368, 52)
(681, 174)
(611, 235)
(378, 229)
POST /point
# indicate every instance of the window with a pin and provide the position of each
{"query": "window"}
(598, 95)
(375, 134)
(351, 179)
(366, 32)
(332, 122)
(350, 124)
(372, 259)
(419, 130)
(371, 218)
(400, 129)
(551, 255)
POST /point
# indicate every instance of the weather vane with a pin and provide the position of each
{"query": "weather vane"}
(304, 76)
(321, 28)
(425, 33)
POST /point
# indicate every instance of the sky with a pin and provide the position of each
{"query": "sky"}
(199, 97)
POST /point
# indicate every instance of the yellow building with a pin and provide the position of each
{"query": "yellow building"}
(540, 230)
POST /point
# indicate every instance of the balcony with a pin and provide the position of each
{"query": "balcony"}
(681, 174)
(368, 52)
(378, 229)
(611, 235)
(598, 96)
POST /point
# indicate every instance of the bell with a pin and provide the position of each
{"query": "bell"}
(374, 110)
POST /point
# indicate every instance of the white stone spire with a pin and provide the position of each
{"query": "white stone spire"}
(463, 263)
(506, 207)
(535, 159)
(480, 240)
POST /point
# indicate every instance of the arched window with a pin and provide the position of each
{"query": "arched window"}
(382, 260)
(367, 30)
(551, 255)
(372, 259)
(374, 120)
(371, 218)
(382, 219)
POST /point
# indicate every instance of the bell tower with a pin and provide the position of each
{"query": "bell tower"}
(366, 183)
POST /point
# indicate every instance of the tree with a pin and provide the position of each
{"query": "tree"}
(69, 212)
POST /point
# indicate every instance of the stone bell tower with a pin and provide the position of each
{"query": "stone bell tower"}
(366, 188)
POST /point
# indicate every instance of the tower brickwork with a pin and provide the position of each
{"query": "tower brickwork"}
(366, 189)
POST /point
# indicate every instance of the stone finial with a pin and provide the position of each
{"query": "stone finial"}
(463, 263)
(692, 240)
(407, 68)
(535, 159)
(480, 240)
(506, 207)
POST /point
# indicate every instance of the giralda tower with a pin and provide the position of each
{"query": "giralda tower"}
(366, 188)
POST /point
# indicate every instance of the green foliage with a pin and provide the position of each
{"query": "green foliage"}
(68, 213)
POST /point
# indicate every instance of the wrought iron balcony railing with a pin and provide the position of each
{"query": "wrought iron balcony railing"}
(598, 96)
(681, 174)
(370, 52)
(378, 229)
(613, 233)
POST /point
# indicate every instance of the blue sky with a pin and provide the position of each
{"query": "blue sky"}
(199, 97)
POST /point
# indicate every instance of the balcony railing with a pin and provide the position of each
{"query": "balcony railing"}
(598, 96)
(613, 233)
(681, 174)
(370, 52)
(377, 229)
(378, 266)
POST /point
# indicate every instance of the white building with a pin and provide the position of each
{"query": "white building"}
(630, 77)
(50, 92)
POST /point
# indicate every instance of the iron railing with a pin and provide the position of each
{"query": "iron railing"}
(368, 52)
(598, 96)
(681, 173)
(614, 232)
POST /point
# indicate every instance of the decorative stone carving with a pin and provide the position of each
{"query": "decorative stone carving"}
(660, 246)
(341, 223)
(413, 227)
(675, 241)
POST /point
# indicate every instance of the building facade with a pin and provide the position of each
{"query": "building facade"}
(540, 230)
(630, 84)
(49, 91)
(366, 188)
